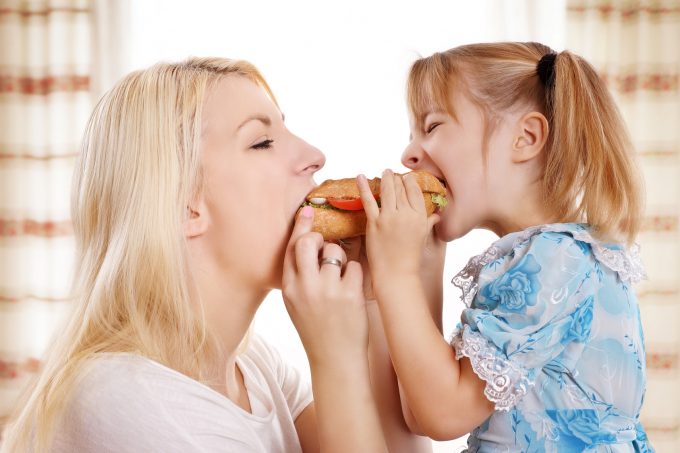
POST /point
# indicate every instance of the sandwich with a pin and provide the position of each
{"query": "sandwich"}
(339, 211)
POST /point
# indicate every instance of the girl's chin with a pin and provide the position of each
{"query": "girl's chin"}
(449, 230)
(444, 231)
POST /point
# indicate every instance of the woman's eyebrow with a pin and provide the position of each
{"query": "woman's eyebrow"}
(261, 118)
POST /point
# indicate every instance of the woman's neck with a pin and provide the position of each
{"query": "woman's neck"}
(229, 307)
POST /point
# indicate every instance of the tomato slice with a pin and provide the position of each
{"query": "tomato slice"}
(347, 205)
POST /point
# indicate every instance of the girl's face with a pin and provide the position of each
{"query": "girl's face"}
(453, 151)
(257, 173)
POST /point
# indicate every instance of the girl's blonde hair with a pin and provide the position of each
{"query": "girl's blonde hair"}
(138, 170)
(590, 172)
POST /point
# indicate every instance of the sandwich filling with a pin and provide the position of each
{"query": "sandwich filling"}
(438, 200)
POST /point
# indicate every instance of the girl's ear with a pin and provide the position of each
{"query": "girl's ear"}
(532, 134)
(197, 220)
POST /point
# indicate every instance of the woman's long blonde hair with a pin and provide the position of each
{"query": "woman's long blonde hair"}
(590, 172)
(138, 170)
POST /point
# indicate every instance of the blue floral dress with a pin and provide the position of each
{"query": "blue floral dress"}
(554, 329)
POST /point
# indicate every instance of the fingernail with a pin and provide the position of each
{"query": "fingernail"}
(361, 178)
(307, 212)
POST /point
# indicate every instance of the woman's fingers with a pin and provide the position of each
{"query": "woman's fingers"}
(307, 250)
(303, 225)
(332, 260)
(367, 199)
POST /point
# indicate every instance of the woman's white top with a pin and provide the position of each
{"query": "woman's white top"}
(129, 403)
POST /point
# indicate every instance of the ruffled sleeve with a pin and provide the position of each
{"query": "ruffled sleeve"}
(528, 305)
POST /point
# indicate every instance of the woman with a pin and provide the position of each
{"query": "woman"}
(183, 202)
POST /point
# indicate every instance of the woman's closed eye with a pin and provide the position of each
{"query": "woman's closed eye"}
(264, 144)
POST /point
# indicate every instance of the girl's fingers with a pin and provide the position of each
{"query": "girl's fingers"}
(367, 199)
(388, 200)
(432, 221)
(413, 193)
(400, 192)
(353, 274)
(352, 247)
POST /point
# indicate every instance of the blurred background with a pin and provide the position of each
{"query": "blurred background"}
(338, 70)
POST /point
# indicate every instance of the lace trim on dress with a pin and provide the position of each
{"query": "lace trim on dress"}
(506, 382)
(626, 263)
(467, 279)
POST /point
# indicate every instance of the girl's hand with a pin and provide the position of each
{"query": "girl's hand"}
(324, 301)
(397, 232)
(355, 248)
(434, 254)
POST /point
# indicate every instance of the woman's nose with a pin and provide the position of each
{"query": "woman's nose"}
(312, 160)
(412, 156)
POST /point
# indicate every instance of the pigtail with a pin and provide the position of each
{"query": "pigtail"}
(590, 157)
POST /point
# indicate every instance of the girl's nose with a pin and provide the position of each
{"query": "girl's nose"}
(412, 156)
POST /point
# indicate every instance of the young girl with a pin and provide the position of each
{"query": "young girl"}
(549, 355)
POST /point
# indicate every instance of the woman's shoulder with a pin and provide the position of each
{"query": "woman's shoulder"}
(109, 379)
(265, 363)
(133, 403)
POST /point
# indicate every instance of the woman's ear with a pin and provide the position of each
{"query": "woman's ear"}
(197, 220)
(531, 138)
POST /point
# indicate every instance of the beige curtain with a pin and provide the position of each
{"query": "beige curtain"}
(45, 61)
(635, 45)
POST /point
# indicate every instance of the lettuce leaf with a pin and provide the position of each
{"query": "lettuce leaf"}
(440, 201)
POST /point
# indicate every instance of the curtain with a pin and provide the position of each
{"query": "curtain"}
(44, 104)
(635, 46)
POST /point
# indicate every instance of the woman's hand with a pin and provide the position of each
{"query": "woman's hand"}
(397, 232)
(325, 301)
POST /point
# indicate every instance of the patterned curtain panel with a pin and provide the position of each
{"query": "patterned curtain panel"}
(635, 45)
(44, 105)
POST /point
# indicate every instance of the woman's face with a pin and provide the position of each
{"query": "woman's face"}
(257, 173)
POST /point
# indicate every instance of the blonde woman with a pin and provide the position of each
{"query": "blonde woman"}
(183, 202)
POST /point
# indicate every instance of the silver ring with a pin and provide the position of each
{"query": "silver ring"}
(333, 261)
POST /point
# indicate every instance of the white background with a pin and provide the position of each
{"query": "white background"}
(338, 70)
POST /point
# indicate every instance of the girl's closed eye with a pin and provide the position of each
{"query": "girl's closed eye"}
(431, 127)
(264, 144)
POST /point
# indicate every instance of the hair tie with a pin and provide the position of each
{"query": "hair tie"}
(546, 69)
